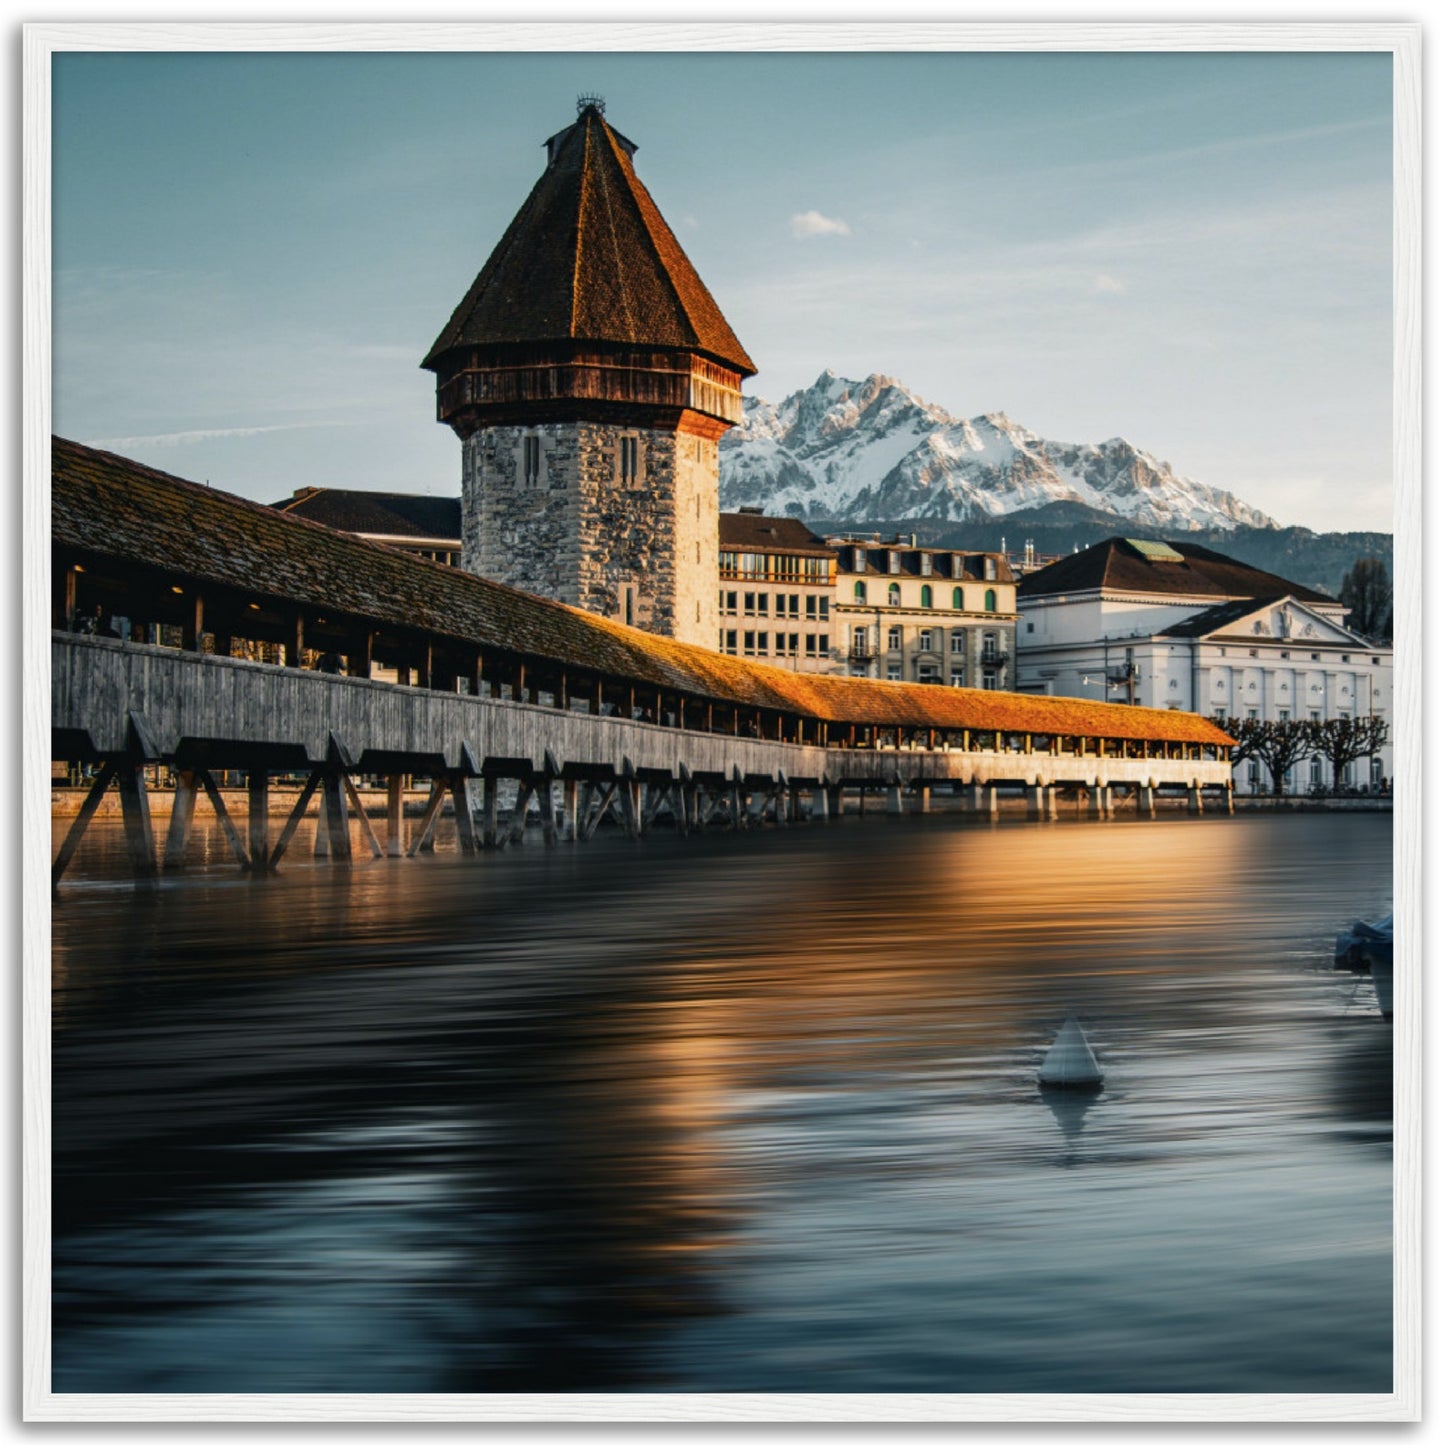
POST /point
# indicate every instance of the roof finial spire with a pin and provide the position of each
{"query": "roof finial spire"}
(591, 102)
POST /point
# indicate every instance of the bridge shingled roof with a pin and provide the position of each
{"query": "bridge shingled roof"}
(112, 507)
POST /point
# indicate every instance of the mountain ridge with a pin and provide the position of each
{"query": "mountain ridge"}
(847, 450)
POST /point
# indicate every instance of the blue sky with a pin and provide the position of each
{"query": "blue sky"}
(252, 253)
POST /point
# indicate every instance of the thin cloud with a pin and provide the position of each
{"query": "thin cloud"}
(1109, 285)
(815, 223)
(210, 434)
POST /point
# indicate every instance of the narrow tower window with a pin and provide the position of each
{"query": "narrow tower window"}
(531, 460)
(627, 461)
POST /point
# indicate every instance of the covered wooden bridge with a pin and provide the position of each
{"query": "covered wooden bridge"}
(206, 632)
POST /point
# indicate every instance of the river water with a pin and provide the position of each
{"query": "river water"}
(731, 1113)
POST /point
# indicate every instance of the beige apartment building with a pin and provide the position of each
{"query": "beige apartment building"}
(911, 613)
(775, 591)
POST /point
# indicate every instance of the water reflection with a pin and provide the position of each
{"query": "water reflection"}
(750, 1114)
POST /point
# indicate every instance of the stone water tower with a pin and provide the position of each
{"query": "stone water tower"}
(589, 375)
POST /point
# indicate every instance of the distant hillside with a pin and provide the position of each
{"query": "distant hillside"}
(1315, 559)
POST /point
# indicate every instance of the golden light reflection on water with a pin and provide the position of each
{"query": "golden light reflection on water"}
(740, 1113)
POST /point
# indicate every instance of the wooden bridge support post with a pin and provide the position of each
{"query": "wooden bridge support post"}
(1035, 795)
(569, 807)
(1098, 802)
(491, 816)
(547, 805)
(1051, 802)
(895, 796)
(459, 785)
(1146, 801)
(395, 827)
(1229, 798)
(135, 809)
(321, 848)
(333, 810)
(183, 812)
(258, 818)
(1196, 800)
(82, 822)
(990, 801)
(925, 798)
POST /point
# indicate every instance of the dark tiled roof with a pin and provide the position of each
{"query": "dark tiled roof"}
(768, 534)
(1117, 565)
(589, 258)
(911, 563)
(378, 514)
(112, 507)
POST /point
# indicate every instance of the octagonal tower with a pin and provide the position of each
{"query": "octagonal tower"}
(589, 375)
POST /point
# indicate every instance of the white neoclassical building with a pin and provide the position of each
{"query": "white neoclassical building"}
(1178, 626)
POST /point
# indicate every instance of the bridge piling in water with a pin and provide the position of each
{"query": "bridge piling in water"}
(178, 710)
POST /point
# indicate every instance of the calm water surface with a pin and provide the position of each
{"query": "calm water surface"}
(734, 1113)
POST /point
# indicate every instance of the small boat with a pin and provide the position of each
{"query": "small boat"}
(1070, 1062)
(1370, 948)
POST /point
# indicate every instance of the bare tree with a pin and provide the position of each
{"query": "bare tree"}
(1285, 743)
(1370, 596)
(1249, 737)
(1341, 740)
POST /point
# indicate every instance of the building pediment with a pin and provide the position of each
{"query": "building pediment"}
(1285, 621)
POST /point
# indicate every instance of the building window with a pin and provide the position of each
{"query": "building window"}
(955, 678)
(895, 639)
(531, 460)
(730, 642)
(925, 640)
(822, 609)
(860, 593)
(958, 599)
(925, 597)
(860, 561)
(895, 595)
(957, 640)
(956, 569)
(925, 564)
(990, 647)
(627, 461)
(792, 604)
(860, 641)
(895, 563)
(990, 569)
(990, 601)
(751, 647)
(895, 672)
(990, 681)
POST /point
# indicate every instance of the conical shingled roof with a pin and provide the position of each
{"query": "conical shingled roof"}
(589, 258)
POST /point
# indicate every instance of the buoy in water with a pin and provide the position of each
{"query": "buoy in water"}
(1070, 1062)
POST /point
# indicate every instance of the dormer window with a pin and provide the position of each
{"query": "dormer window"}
(925, 564)
(895, 561)
(990, 569)
(860, 560)
(957, 562)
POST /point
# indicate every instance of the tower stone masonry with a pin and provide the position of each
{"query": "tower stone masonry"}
(589, 375)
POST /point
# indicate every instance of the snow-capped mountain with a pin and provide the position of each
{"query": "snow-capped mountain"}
(869, 450)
